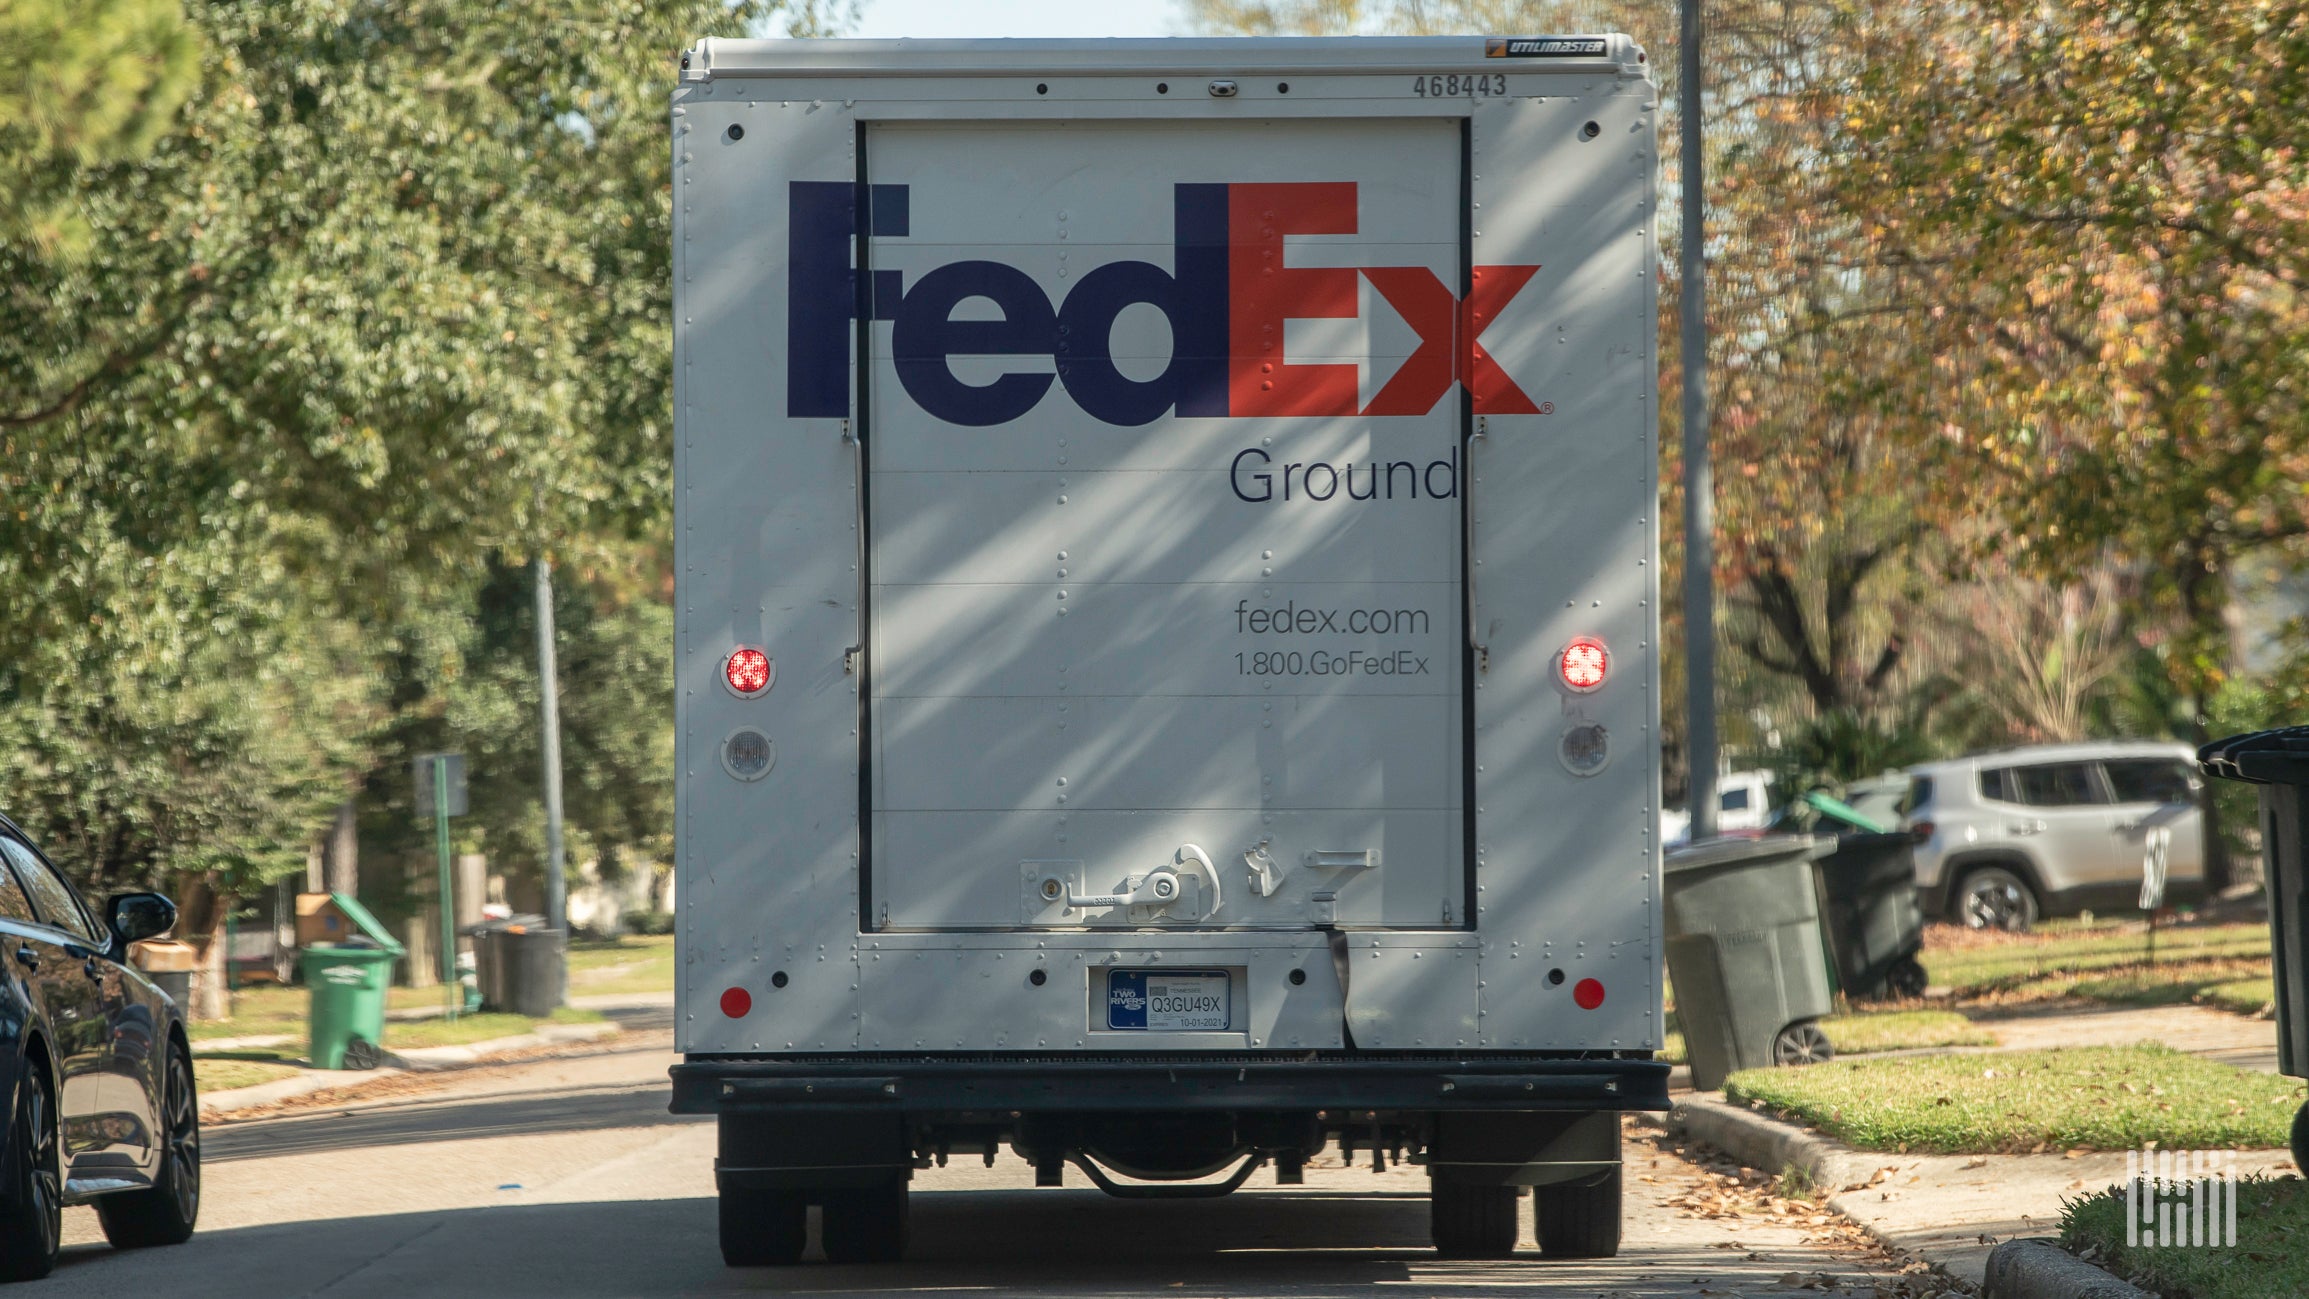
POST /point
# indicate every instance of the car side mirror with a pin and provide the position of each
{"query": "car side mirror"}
(138, 916)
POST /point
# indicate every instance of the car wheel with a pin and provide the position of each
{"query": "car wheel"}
(1802, 1044)
(1995, 898)
(763, 1228)
(1578, 1221)
(1471, 1221)
(32, 1226)
(166, 1214)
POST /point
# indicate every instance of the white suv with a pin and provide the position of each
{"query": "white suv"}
(2002, 838)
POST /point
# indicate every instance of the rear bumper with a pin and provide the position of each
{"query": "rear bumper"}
(1001, 1085)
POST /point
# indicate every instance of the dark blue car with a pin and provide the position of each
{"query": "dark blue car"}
(94, 1067)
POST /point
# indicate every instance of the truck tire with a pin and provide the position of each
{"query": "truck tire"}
(864, 1225)
(1471, 1221)
(763, 1228)
(166, 1213)
(1575, 1221)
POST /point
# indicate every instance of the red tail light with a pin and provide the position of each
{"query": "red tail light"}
(1921, 832)
(1583, 663)
(748, 671)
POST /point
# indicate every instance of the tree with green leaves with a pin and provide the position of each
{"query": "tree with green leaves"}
(82, 82)
(385, 315)
(2111, 204)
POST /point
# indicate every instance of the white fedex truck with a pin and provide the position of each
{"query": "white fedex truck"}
(1168, 654)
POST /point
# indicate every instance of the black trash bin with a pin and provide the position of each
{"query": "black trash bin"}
(1745, 953)
(2278, 762)
(520, 966)
(1868, 910)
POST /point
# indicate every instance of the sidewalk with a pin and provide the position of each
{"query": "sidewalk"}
(2199, 1030)
(1953, 1210)
(627, 1012)
(1949, 1210)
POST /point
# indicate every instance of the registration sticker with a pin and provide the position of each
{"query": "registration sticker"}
(1176, 1001)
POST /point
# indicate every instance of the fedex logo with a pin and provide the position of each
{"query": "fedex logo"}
(1226, 296)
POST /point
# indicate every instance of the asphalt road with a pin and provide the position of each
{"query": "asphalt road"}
(568, 1178)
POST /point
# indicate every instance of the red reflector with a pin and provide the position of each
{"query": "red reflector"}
(748, 670)
(1588, 993)
(736, 1002)
(1583, 663)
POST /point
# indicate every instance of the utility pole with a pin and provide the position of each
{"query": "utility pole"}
(1699, 475)
(549, 695)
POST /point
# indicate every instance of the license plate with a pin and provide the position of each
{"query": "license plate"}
(1174, 1001)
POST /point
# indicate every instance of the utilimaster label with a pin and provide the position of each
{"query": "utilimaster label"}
(1544, 47)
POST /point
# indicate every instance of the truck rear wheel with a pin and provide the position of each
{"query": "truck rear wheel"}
(763, 1228)
(1471, 1221)
(865, 1225)
(1575, 1221)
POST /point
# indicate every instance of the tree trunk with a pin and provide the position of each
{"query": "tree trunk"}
(342, 862)
(200, 921)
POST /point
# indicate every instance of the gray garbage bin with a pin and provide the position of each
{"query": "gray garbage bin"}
(520, 966)
(1745, 951)
(1868, 905)
(2278, 762)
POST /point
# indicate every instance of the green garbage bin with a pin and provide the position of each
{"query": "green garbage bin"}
(346, 982)
(348, 1003)
(1745, 952)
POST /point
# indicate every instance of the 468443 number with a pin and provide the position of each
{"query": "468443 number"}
(1455, 85)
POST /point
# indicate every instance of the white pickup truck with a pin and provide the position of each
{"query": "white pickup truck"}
(1168, 654)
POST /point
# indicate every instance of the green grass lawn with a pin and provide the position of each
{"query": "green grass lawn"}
(2267, 1261)
(2097, 1098)
(2256, 996)
(218, 1075)
(272, 1016)
(2244, 987)
(277, 1009)
(601, 967)
(2046, 961)
(1874, 1030)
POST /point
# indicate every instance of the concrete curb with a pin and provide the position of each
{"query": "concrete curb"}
(427, 1059)
(1770, 1145)
(2039, 1269)
(2017, 1269)
(281, 1089)
(416, 1060)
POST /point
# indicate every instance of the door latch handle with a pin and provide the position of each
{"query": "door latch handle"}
(1160, 888)
(28, 958)
(2025, 827)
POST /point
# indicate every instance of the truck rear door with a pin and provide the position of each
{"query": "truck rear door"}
(1165, 477)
